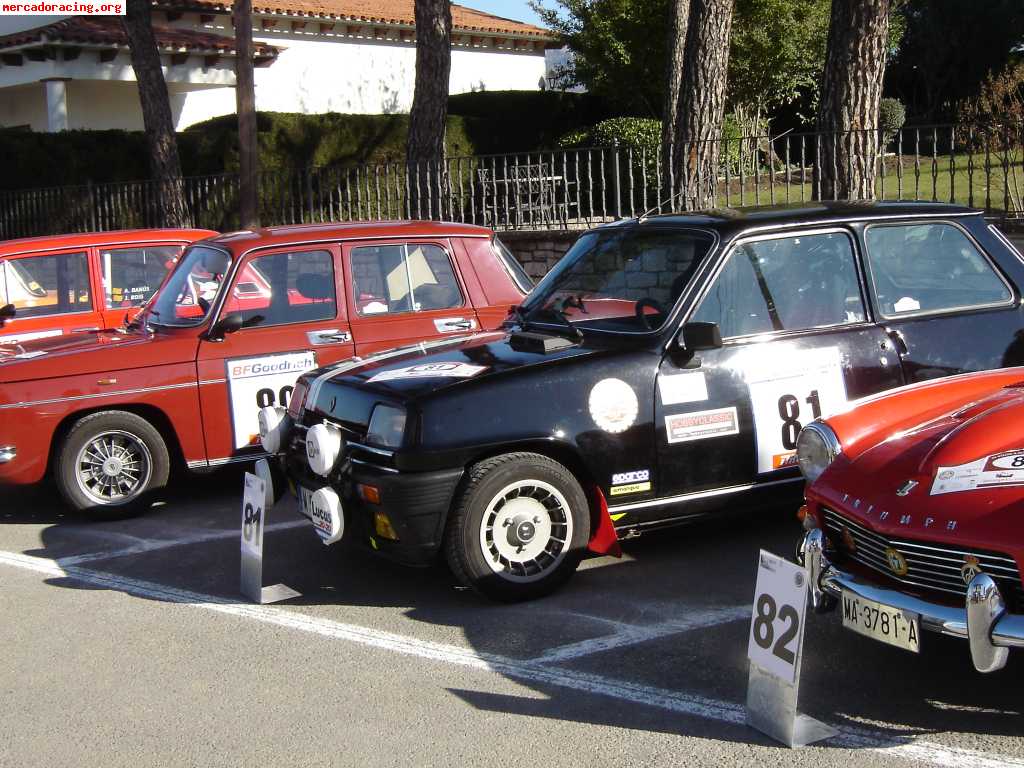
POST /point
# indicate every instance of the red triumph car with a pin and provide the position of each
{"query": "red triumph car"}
(240, 317)
(915, 513)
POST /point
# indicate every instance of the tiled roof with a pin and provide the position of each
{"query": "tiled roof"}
(373, 12)
(107, 30)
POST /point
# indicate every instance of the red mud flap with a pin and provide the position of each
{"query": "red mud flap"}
(604, 540)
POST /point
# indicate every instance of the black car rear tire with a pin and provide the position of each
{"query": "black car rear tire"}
(519, 528)
(110, 464)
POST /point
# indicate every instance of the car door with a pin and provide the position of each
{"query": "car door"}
(294, 318)
(404, 291)
(797, 343)
(130, 274)
(51, 292)
(945, 303)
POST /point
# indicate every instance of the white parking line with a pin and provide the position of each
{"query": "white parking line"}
(152, 545)
(531, 671)
(633, 635)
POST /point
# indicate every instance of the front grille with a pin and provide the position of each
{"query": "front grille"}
(930, 567)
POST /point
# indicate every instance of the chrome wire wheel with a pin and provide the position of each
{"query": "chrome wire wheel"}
(526, 531)
(113, 467)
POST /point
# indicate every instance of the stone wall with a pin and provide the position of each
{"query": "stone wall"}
(539, 251)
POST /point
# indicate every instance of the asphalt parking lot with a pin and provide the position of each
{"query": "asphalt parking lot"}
(126, 643)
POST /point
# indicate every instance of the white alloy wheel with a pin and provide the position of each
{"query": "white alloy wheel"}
(526, 530)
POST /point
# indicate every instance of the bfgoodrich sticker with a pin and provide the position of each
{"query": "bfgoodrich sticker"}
(682, 427)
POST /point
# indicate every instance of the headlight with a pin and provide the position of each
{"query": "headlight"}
(324, 444)
(387, 426)
(273, 428)
(816, 448)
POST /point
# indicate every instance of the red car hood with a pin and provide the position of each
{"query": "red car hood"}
(950, 477)
(94, 352)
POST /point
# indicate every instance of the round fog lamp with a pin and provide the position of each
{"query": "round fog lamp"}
(816, 448)
(323, 447)
(271, 421)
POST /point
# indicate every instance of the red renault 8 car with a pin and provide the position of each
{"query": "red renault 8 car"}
(915, 506)
(51, 286)
(233, 326)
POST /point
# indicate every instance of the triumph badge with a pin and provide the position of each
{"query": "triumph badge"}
(896, 561)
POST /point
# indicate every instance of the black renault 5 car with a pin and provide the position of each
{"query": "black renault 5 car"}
(663, 369)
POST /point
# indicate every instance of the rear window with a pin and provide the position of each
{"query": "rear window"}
(512, 266)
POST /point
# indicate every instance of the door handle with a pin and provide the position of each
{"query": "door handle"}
(898, 341)
(454, 324)
(333, 336)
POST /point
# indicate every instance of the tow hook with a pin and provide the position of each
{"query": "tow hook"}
(632, 533)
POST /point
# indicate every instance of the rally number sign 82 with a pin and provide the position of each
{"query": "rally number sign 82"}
(777, 623)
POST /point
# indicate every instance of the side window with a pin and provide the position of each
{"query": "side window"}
(47, 285)
(283, 288)
(132, 275)
(389, 279)
(785, 284)
(930, 268)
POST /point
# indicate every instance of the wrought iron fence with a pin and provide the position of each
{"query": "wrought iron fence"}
(971, 165)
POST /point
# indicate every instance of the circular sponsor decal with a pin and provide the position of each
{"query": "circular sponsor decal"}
(946, 474)
(613, 405)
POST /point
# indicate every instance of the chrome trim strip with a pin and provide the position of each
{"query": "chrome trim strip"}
(99, 394)
(374, 466)
(237, 459)
(1006, 241)
(7, 453)
(370, 449)
(213, 381)
(197, 464)
(699, 495)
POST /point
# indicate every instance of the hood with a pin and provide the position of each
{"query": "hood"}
(93, 352)
(349, 391)
(965, 466)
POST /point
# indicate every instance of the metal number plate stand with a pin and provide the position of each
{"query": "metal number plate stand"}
(773, 686)
(257, 498)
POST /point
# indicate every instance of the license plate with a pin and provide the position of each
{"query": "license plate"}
(305, 501)
(882, 622)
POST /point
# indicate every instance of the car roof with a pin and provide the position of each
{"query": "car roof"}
(728, 221)
(88, 239)
(306, 233)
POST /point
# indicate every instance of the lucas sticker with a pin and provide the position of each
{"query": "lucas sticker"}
(683, 427)
(613, 405)
(788, 391)
(429, 371)
(256, 382)
(995, 471)
(683, 388)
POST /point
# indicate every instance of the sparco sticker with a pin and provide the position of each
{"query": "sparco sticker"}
(682, 427)
(787, 391)
(613, 405)
(430, 370)
(256, 382)
(995, 471)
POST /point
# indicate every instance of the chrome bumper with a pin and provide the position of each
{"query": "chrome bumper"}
(983, 621)
(7, 453)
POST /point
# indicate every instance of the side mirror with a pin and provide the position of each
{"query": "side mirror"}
(7, 312)
(227, 324)
(700, 336)
(131, 316)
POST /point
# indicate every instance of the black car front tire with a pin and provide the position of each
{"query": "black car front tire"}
(519, 528)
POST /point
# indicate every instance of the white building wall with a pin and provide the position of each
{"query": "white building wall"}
(24, 105)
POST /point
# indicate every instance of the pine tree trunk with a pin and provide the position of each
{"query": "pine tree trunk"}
(425, 145)
(847, 156)
(702, 104)
(245, 102)
(165, 167)
(678, 23)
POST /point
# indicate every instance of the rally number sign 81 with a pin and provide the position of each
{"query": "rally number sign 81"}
(777, 623)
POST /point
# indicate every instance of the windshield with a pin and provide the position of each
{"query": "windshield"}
(185, 299)
(619, 279)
